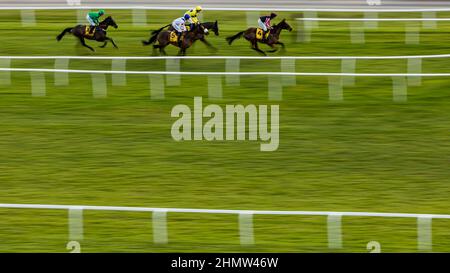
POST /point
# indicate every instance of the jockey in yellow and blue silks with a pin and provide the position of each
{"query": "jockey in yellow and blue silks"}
(193, 14)
(93, 17)
(179, 25)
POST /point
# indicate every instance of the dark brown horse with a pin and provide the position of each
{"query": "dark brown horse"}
(272, 39)
(187, 39)
(82, 32)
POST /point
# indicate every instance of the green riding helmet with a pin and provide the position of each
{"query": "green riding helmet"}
(101, 12)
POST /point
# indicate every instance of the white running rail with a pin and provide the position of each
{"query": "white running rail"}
(245, 218)
(435, 56)
(373, 19)
(208, 73)
(143, 7)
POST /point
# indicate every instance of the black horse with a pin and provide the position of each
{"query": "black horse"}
(209, 26)
(82, 32)
(272, 40)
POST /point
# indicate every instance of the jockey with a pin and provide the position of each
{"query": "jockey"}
(193, 14)
(264, 22)
(179, 25)
(92, 18)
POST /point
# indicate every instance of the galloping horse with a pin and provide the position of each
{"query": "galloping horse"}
(82, 32)
(272, 39)
(213, 26)
(188, 39)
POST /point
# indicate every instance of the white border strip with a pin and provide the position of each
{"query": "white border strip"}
(205, 73)
(262, 8)
(435, 56)
(372, 19)
(225, 211)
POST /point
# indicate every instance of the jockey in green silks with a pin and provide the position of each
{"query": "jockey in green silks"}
(93, 18)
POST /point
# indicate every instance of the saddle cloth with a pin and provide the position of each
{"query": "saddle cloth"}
(259, 34)
(86, 31)
(173, 37)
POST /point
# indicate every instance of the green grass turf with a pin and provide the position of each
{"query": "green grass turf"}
(366, 153)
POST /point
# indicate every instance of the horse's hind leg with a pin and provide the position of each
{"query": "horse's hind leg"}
(84, 44)
(255, 47)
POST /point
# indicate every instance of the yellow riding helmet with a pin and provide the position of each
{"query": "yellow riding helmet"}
(198, 8)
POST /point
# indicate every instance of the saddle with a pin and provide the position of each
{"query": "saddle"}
(259, 34)
(88, 28)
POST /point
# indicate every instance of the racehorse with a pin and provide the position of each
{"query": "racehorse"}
(210, 26)
(82, 32)
(188, 39)
(272, 39)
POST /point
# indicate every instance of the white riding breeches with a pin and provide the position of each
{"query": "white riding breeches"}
(262, 25)
(91, 22)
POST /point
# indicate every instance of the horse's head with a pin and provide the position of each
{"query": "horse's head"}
(199, 31)
(109, 21)
(216, 28)
(284, 25)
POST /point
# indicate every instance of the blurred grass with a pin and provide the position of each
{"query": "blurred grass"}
(366, 153)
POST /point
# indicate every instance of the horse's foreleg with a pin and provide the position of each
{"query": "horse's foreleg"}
(102, 46)
(272, 45)
(83, 42)
(282, 44)
(112, 41)
(208, 44)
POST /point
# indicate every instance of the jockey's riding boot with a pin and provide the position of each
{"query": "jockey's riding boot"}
(180, 40)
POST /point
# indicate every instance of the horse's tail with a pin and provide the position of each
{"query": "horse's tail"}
(159, 30)
(234, 37)
(60, 36)
(154, 36)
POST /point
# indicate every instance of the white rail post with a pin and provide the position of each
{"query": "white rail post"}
(334, 226)
(252, 18)
(215, 87)
(306, 35)
(427, 23)
(313, 15)
(38, 85)
(156, 87)
(119, 79)
(424, 233)
(5, 76)
(357, 33)
(246, 228)
(28, 18)
(348, 66)
(160, 235)
(81, 16)
(76, 224)
(399, 89)
(371, 23)
(173, 65)
(335, 90)
(275, 89)
(288, 65)
(99, 89)
(139, 17)
(414, 67)
(412, 33)
(232, 65)
(61, 78)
